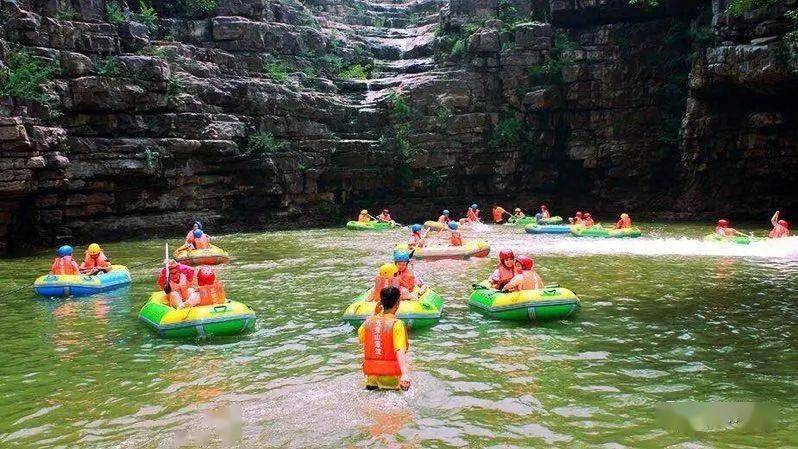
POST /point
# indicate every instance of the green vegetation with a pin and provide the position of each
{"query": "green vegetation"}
(356, 72)
(442, 117)
(508, 14)
(459, 48)
(23, 77)
(147, 16)
(114, 14)
(506, 134)
(399, 144)
(155, 156)
(66, 13)
(378, 22)
(550, 72)
(263, 144)
(107, 67)
(278, 70)
(174, 86)
(452, 43)
(197, 8)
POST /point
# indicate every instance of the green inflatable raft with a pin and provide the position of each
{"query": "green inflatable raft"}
(738, 239)
(528, 220)
(416, 314)
(550, 303)
(369, 226)
(600, 232)
(230, 318)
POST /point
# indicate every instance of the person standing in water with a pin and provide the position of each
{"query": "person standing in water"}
(385, 344)
(780, 227)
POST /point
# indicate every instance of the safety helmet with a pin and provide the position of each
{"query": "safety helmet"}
(506, 254)
(474, 206)
(416, 227)
(65, 250)
(624, 215)
(526, 262)
(388, 270)
(784, 223)
(94, 249)
(206, 275)
(198, 233)
(723, 223)
(401, 256)
(542, 207)
(198, 224)
(385, 211)
(446, 212)
(587, 214)
(453, 225)
(518, 209)
(579, 213)
(364, 211)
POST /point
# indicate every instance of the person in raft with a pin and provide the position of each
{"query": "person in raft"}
(518, 214)
(408, 281)
(444, 218)
(210, 290)
(64, 264)
(384, 217)
(364, 216)
(455, 237)
(94, 261)
(385, 343)
(472, 214)
(577, 219)
(723, 229)
(505, 271)
(201, 240)
(385, 278)
(624, 223)
(780, 227)
(498, 214)
(190, 235)
(544, 211)
(178, 286)
(588, 220)
(525, 276)
(416, 239)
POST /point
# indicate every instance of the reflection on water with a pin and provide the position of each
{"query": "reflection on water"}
(665, 318)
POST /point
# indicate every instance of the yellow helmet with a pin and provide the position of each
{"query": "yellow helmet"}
(388, 270)
(94, 249)
(624, 215)
(364, 211)
(518, 209)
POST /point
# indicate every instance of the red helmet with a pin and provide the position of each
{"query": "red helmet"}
(542, 207)
(385, 210)
(506, 254)
(579, 213)
(587, 214)
(784, 223)
(526, 262)
(723, 223)
(206, 276)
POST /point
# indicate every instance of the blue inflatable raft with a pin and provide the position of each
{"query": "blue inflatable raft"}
(535, 228)
(82, 285)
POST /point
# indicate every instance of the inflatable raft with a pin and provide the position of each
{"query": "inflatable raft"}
(535, 228)
(208, 256)
(601, 232)
(550, 303)
(520, 221)
(80, 284)
(470, 248)
(434, 225)
(738, 239)
(528, 220)
(416, 314)
(230, 318)
(369, 226)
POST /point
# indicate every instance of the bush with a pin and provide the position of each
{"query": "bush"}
(459, 48)
(147, 16)
(399, 107)
(550, 72)
(66, 14)
(506, 134)
(442, 116)
(263, 144)
(114, 13)
(108, 67)
(356, 72)
(174, 86)
(23, 77)
(277, 70)
(508, 13)
(195, 8)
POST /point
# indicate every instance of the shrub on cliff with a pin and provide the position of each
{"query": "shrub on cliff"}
(23, 77)
(197, 8)
(114, 14)
(356, 72)
(506, 134)
(263, 144)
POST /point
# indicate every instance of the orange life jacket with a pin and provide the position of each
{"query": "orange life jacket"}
(472, 215)
(588, 222)
(381, 283)
(498, 214)
(578, 221)
(623, 223)
(202, 242)
(384, 217)
(64, 265)
(363, 218)
(407, 279)
(779, 231)
(91, 262)
(179, 284)
(443, 219)
(190, 236)
(457, 238)
(502, 275)
(379, 355)
(211, 294)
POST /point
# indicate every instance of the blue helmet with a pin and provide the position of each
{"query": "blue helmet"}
(65, 250)
(474, 206)
(538, 216)
(198, 224)
(197, 233)
(446, 212)
(416, 228)
(453, 225)
(401, 256)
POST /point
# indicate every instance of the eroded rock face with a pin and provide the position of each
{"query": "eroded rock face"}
(590, 105)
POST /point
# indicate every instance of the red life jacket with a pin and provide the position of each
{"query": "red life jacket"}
(63, 265)
(623, 223)
(211, 294)
(498, 214)
(443, 219)
(90, 262)
(202, 242)
(457, 238)
(379, 355)
(407, 279)
(779, 231)
(473, 215)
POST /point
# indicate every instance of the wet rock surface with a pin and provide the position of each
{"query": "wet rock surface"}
(414, 105)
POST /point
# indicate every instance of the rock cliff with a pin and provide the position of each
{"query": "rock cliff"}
(250, 113)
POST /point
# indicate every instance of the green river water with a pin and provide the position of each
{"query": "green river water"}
(664, 318)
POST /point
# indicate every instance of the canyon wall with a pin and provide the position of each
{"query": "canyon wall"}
(265, 113)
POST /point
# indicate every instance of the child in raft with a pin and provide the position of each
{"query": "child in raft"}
(384, 217)
(518, 214)
(624, 223)
(386, 277)
(505, 271)
(178, 287)
(588, 220)
(577, 219)
(723, 229)
(410, 285)
(544, 211)
(94, 261)
(201, 240)
(190, 235)
(210, 290)
(364, 216)
(416, 238)
(498, 214)
(64, 264)
(780, 227)
(525, 276)
(455, 238)
(385, 343)
(444, 218)
(472, 215)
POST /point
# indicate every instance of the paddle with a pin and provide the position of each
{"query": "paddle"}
(166, 287)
